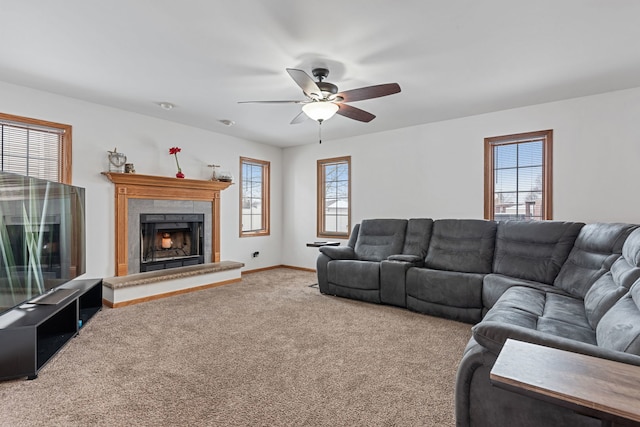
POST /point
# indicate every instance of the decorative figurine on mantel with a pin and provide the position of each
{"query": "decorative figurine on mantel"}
(222, 176)
(116, 161)
(214, 172)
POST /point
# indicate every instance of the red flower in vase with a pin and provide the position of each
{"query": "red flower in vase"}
(174, 151)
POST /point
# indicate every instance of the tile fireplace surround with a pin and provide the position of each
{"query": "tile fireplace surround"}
(131, 187)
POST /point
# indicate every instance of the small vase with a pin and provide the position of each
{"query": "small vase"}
(179, 174)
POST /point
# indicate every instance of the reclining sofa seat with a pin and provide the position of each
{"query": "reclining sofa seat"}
(449, 284)
(561, 284)
(599, 315)
(528, 253)
(353, 271)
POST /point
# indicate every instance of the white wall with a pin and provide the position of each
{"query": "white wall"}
(436, 170)
(146, 143)
(433, 170)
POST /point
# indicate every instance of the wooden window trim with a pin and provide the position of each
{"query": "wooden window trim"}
(320, 226)
(266, 197)
(547, 169)
(64, 163)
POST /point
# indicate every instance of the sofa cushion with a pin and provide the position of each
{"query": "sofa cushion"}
(449, 288)
(619, 328)
(631, 248)
(625, 271)
(601, 297)
(417, 237)
(494, 285)
(464, 245)
(594, 251)
(379, 238)
(533, 250)
(551, 313)
(354, 274)
(460, 314)
(354, 236)
(609, 288)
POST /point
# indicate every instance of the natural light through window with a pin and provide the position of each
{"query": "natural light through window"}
(334, 197)
(254, 200)
(518, 176)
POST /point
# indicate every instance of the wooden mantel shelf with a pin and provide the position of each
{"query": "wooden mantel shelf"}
(164, 181)
(136, 186)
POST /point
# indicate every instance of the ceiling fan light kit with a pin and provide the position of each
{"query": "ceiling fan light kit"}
(323, 99)
(320, 110)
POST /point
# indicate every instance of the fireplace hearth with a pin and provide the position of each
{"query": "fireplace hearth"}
(171, 240)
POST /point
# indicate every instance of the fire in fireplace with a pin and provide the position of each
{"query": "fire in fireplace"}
(171, 240)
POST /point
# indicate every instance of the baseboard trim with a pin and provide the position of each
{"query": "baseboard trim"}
(293, 267)
(274, 267)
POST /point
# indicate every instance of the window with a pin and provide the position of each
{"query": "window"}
(334, 197)
(517, 176)
(35, 148)
(254, 200)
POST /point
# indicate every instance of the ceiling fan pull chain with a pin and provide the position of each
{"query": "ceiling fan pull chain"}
(320, 131)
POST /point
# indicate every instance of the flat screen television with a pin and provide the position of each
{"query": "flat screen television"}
(42, 237)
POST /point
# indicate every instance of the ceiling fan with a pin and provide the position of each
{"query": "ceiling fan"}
(323, 99)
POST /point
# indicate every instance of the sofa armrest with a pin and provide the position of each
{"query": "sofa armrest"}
(492, 336)
(338, 252)
(414, 260)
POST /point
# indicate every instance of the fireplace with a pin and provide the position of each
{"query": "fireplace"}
(158, 194)
(171, 240)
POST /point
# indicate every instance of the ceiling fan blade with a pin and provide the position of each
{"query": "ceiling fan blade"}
(369, 92)
(299, 118)
(271, 102)
(309, 87)
(354, 113)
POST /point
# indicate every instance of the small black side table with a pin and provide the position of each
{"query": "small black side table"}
(319, 244)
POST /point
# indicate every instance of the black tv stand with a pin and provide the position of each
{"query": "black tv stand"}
(32, 333)
(54, 297)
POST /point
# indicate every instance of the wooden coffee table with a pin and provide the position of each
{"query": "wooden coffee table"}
(589, 385)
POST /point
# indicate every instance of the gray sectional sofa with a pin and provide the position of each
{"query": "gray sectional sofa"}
(565, 285)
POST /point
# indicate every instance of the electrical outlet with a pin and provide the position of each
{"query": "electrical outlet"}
(255, 254)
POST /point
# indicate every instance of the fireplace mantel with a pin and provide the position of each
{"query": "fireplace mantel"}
(179, 184)
(128, 185)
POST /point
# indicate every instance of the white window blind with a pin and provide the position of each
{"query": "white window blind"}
(31, 150)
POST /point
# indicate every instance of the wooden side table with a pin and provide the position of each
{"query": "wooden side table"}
(589, 385)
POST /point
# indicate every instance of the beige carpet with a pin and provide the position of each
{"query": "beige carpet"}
(267, 351)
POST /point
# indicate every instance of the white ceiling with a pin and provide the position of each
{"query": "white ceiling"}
(452, 58)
